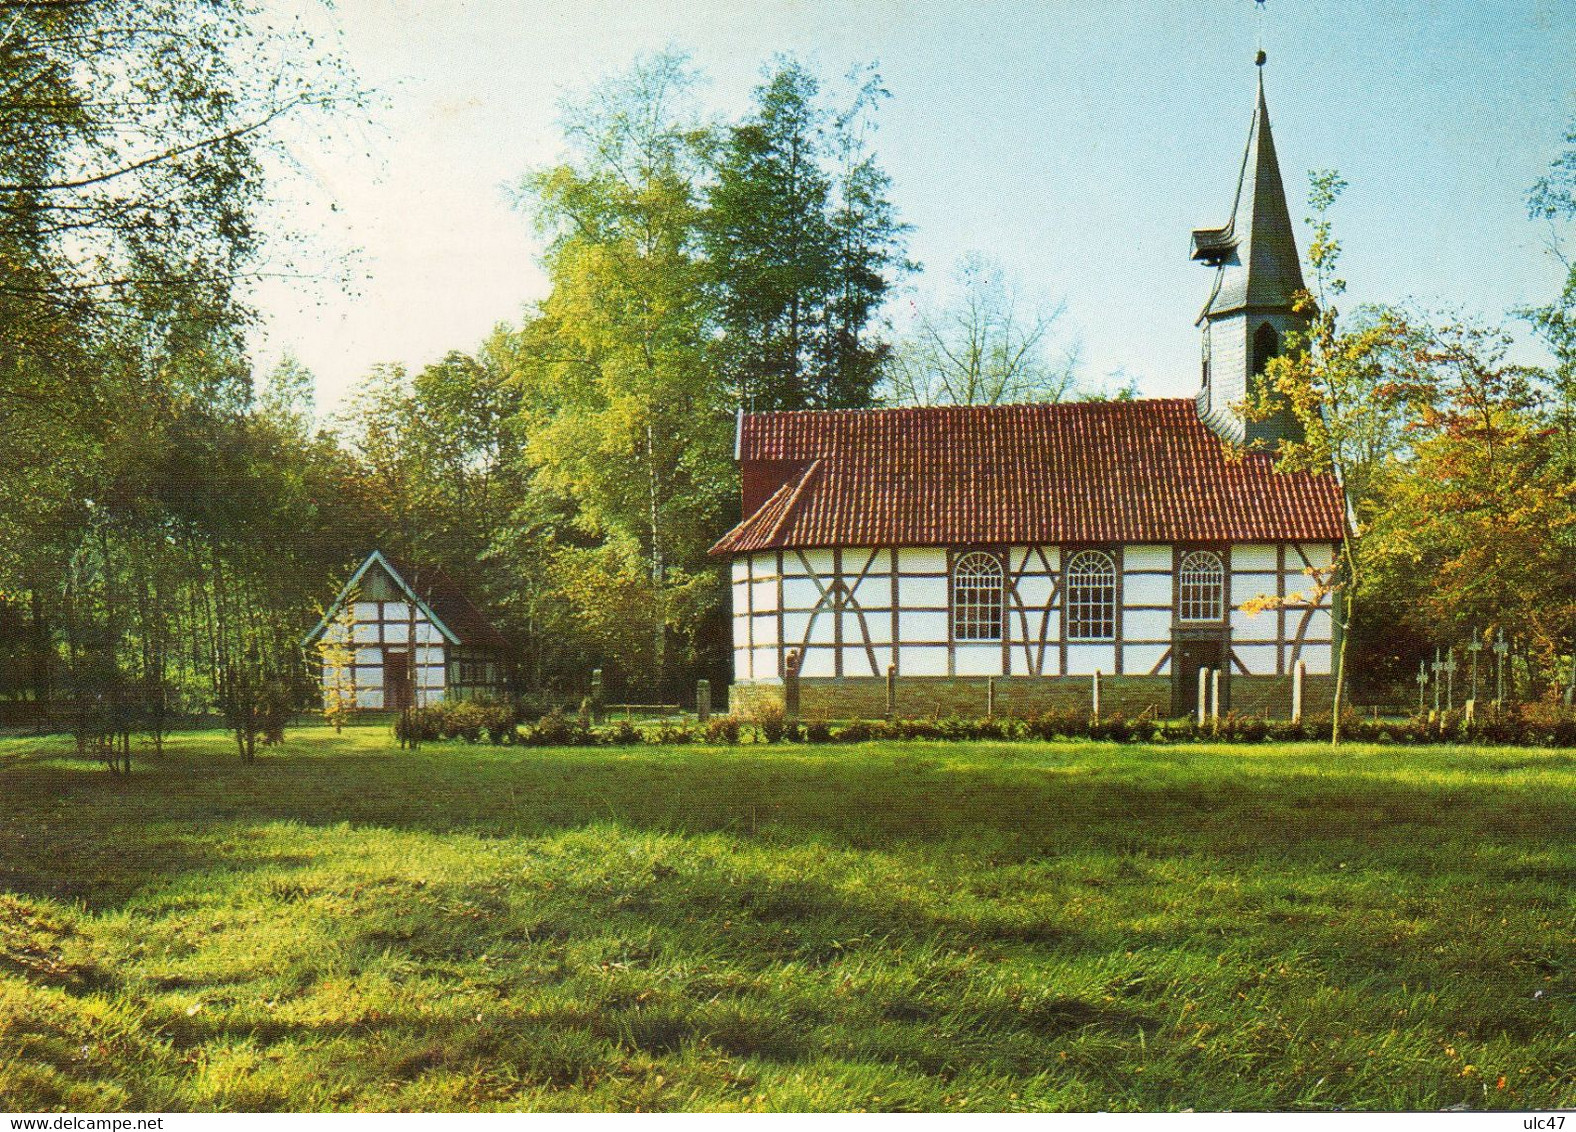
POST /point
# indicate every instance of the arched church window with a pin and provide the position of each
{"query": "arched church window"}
(1091, 596)
(977, 597)
(1201, 586)
(1266, 344)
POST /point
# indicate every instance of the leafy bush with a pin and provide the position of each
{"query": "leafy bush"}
(672, 734)
(817, 731)
(621, 733)
(723, 729)
(771, 723)
(555, 729)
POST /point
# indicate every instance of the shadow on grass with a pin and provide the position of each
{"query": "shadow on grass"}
(71, 832)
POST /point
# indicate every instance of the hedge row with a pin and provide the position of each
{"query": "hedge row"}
(471, 721)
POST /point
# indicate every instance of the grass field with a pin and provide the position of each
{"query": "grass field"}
(915, 926)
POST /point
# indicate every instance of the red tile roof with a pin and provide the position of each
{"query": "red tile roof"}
(449, 602)
(1118, 471)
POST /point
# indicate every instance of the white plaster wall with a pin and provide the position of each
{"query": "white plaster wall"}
(1317, 658)
(766, 665)
(365, 633)
(818, 662)
(978, 660)
(1146, 557)
(741, 632)
(369, 677)
(396, 633)
(878, 623)
(1082, 660)
(369, 698)
(818, 562)
(822, 629)
(366, 611)
(766, 628)
(916, 661)
(1146, 625)
(922, 626)
(763, 595)
(1146, 589)
(795, 625)
(741, 569)
(799, 593)
(921, 560)
(919, 593)
(856, 662)
(1253, 556)
(1252, 627)
(1259, 660)
(874, 592)
(1034, 590)
(1137, 660)
(1245, 587)
(740, 597)
(855, 559)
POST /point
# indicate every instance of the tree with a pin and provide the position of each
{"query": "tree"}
(1553, 200)
(983, 345)
(801, 242)
(1350, 388)
(625, 416)
(336, 651)
(1487, 511)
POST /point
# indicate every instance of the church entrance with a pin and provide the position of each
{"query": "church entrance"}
(1192, 650)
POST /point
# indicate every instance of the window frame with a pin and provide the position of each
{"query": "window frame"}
(972, 622)
(1076, 617)
(1183, 598)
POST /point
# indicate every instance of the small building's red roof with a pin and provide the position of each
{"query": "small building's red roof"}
(1117, 471)
(450, 603)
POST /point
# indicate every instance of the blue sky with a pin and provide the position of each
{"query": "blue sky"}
(1077, 143)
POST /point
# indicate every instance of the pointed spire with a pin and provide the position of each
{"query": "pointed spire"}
(1257, 251)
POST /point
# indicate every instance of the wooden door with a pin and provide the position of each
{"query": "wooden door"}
(1188, 655)
(397, 689)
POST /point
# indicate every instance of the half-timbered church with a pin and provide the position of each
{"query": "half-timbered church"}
(1035, 545)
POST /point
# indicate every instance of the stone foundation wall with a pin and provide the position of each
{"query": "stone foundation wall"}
(924, 696)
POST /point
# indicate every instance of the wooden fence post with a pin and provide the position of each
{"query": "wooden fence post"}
(1095, 710)
(1214, 696)
(1203, 696)
(791, 685)
(891, 693)
(990, 697)
(702, 700)
(1296, 690)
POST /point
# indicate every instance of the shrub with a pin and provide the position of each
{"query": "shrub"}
(771, 723)
(621, 733)
(555, 729)
(817, 731)
(672, 733)
(723, 729)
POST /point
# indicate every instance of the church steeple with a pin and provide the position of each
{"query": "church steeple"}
(1257, 278)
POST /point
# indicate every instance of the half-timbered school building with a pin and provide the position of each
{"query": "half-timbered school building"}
(1034, 545)
(416, 638)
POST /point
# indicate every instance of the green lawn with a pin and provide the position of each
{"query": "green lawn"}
(899, 926)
